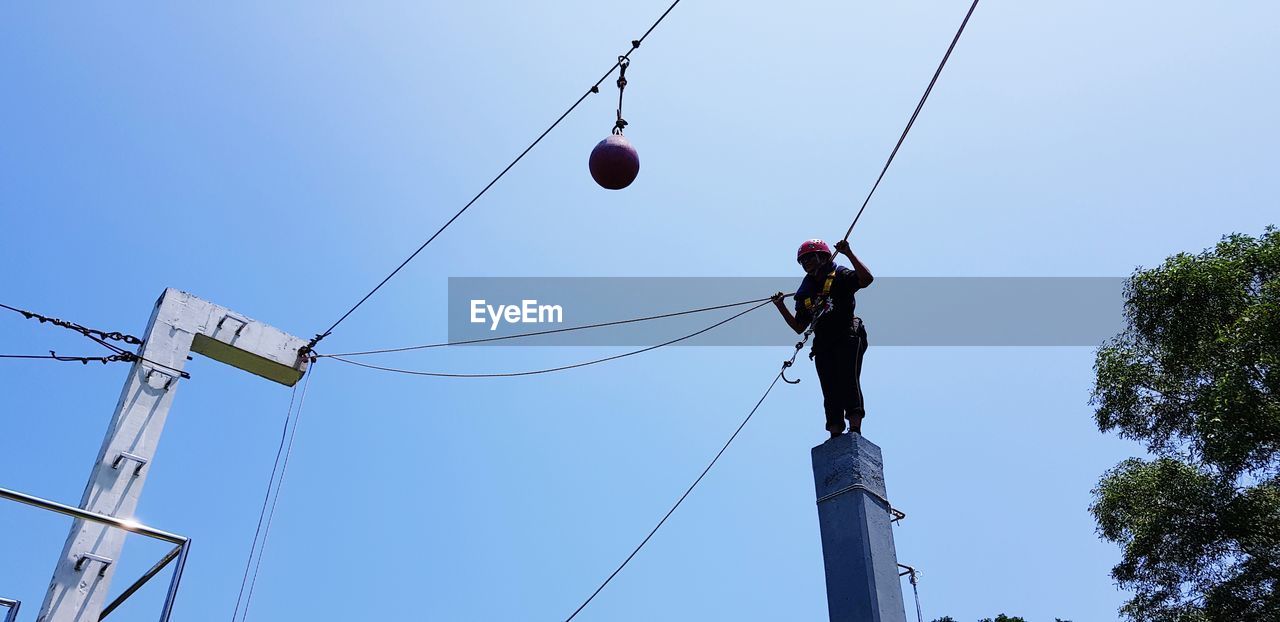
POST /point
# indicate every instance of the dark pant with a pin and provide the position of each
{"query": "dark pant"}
(839, 370)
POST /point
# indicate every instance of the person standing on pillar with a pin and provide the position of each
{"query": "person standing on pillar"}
(825, 299)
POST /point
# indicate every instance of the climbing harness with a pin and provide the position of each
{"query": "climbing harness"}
(822, 302)
(823, 299)
(819, 305)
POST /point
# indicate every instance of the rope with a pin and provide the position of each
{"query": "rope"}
(551, 369)
(288, 415)
(678, 501)
(623, 63)
(595, 88)
(280, 484)
(549, 332)
(914, 114)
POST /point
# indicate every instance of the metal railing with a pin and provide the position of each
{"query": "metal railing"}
(12, 606)
(179, 552)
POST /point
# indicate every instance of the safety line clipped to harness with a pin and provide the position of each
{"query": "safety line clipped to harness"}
(811, 303)
(808, 332)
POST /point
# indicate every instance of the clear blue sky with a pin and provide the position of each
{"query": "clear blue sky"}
(280, 159)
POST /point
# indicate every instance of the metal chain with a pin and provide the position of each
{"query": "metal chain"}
(83, 330)
(100, 337)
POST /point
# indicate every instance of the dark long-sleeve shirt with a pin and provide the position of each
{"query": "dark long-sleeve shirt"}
(833, 329)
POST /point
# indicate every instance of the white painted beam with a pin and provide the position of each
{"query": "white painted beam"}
(180, 324)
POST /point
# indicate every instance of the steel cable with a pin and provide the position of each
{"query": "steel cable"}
(266, 499)
(595, 88)
(54, 356)
(695, 483)
(914, 114)
(284, 466)
(549, 332)
(779, 376)
(535, 372)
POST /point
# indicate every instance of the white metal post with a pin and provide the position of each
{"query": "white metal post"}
(180, 324)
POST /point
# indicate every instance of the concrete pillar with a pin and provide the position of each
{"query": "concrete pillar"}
(180, 324)
(857, 538)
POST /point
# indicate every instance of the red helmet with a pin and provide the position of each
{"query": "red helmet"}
(813, 246)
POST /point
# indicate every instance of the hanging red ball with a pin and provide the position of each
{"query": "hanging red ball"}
(614, 162)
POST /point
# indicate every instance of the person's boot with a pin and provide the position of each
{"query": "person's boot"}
(836, 432)
(855, 417)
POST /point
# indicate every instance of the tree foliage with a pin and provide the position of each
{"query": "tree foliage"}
(1195, 377)
(1000, 618)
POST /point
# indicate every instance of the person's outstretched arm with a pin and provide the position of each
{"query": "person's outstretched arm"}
(780, 301)
(863, 272)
